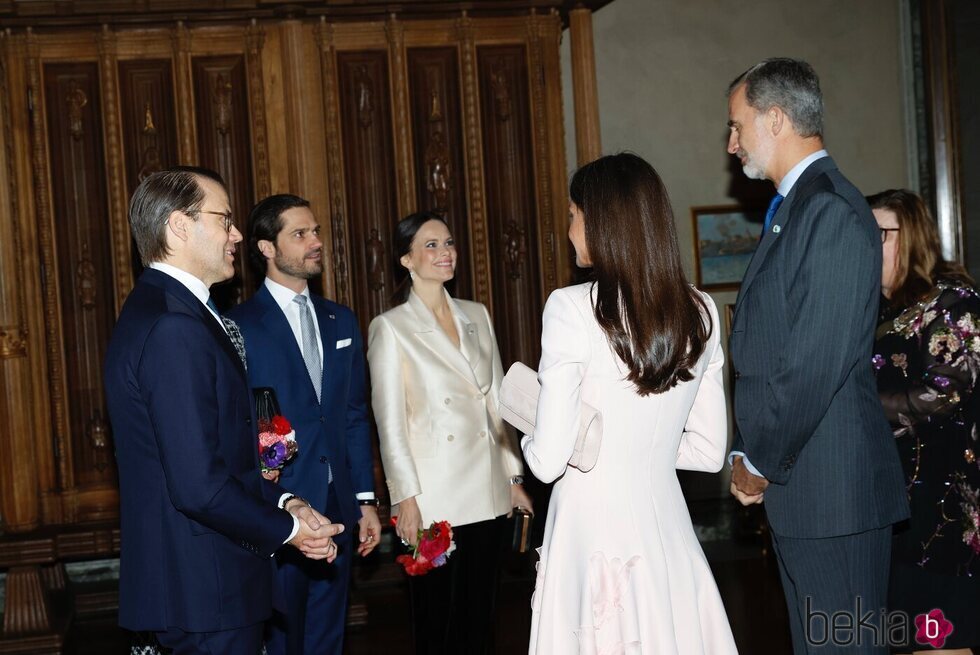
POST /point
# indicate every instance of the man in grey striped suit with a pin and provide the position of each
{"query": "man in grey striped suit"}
(811, 439)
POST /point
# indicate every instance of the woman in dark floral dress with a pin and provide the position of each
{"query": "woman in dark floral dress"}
(927, 359)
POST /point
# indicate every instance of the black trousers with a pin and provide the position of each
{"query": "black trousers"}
(453, 605)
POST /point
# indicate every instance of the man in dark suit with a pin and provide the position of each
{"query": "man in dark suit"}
(309, 351)
(811, 439)
(199, 524)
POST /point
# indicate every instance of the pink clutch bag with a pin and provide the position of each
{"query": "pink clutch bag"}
(519, 405)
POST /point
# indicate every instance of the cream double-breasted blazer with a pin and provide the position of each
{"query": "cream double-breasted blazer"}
(442, 440)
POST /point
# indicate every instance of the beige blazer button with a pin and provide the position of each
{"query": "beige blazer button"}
(478, 396)
(446, 401)
(483, 433)
(450, 438)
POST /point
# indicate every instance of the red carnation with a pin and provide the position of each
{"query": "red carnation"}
(436, 541)
(280, 425)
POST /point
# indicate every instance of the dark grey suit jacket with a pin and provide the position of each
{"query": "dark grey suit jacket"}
(807, 412)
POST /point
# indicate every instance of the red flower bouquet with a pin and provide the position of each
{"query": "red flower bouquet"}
(433, 548)
(277, 443)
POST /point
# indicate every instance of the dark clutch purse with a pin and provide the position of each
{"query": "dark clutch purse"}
(521, 522)
(266, 404)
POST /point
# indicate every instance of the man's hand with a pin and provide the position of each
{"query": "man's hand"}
(315, 536)
(519, 498)
(369, 530)
(746, 487)
(409, 521)
(272, 475)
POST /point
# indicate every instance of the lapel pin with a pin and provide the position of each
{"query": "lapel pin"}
(331, 315)
(776, 229)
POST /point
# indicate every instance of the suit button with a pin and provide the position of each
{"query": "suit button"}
(248, 420)
(447, 401)
(478, 396)
(737, 375)
(323, 459)
(483, 433)
(450, 438)
(322, 419)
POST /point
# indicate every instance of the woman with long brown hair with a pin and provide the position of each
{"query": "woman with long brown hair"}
(927, 358)
(621, 569)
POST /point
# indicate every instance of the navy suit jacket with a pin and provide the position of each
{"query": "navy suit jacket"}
(807, 411)
(333, 431)
(199, 524)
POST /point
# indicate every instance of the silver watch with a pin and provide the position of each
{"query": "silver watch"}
(517, 479)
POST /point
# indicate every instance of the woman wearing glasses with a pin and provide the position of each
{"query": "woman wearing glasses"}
(927, 358)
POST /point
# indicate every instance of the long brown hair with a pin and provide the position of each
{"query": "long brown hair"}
(920, 258)
(657, 323)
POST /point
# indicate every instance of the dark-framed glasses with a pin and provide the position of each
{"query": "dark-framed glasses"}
(229, 220)
(885, 230)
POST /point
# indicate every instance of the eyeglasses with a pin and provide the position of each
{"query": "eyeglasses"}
(885, 230)
(228, 218)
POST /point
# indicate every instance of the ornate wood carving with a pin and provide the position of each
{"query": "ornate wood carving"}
(370, 166)
(224, 146)
(374, 257)
(13, 341)
(75, 100)
(511, 198)
(254, 40)
(187, 152)
(335, 164)
(52, 335)
(433, 75)
(82, 256)
(395, 34)
(537, 35)
(479, 246)
(122, 254)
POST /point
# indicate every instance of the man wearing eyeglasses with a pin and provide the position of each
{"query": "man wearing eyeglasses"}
(199, 524)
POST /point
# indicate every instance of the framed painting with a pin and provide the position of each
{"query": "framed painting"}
(725, 238)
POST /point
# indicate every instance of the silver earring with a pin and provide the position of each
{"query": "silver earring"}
(411, 274)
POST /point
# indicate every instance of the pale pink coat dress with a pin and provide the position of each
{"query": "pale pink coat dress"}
(621, 570)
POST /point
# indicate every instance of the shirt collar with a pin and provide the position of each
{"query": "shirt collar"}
(283, 295)
(786, 184)
(192, 282)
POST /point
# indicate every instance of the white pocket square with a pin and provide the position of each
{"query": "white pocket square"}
(343, 343)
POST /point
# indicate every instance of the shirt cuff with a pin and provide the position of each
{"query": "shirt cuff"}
(365, 495)
(745, 460)
(295, 531)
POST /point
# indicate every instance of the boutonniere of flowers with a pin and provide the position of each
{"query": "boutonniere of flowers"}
(277, 443)
(433, 548)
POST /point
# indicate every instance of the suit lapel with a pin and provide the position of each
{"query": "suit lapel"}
(328, 336)
(779, 221)
(274, 320)
(429, 333)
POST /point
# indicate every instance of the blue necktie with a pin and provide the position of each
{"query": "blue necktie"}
(212, 306)
(773, 208)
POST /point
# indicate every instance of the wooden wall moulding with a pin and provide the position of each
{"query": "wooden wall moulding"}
(82, 257)
(511, 199)
(439, 148)
(224, 145)
(254, 41)
(369, 165)
(13, 341)
(395, 35)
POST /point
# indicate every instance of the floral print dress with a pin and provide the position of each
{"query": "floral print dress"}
(927, 360)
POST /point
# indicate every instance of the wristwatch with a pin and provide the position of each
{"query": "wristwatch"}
(294, 497)
(373, 502)
(517, 479)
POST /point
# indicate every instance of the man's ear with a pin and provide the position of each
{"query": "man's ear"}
(776, 120)
(267, 248)
(178, 225)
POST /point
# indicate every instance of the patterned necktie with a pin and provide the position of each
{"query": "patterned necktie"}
(311, 354)
(232, 330)
(771, 212)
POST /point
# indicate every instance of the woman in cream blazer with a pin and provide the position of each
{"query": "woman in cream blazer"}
(435, 374)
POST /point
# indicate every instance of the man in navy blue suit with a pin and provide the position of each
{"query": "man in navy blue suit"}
(811, 438)
(309, 351)
(199, 524)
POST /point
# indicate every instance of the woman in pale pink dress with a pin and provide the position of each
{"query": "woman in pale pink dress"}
(621, 570)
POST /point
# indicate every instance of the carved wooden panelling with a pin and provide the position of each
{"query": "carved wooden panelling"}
(83, 260)
(508, 151)
(368, 151)
(223, 145)
(149, 126)
(440, 172)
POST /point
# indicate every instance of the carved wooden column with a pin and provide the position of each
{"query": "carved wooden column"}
(115, 168)
(254, 40)
(479, 244)
(335, 167)
(19, 510)
(395, 33)
(941, 101)
(588, 142)
(184, 74)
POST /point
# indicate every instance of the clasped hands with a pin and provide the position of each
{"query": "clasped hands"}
(315, 536)
(748, 488)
